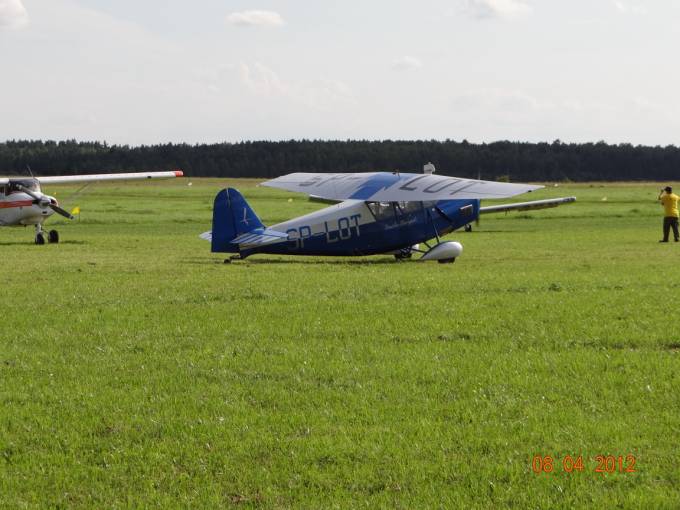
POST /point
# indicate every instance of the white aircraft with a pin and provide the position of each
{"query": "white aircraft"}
(23, 203)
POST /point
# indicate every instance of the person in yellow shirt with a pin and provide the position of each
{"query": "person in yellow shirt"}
(669, 201)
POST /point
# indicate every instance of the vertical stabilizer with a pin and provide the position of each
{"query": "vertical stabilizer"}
(232, 217)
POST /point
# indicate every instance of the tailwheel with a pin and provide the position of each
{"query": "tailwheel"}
(53, 236)
(446, 261)
(39, 238)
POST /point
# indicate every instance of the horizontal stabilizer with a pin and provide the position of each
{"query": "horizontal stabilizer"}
(257, 237)
(395, 187)
(260, 237)
(527, 206)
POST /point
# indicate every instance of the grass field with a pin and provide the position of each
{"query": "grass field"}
(137, 370)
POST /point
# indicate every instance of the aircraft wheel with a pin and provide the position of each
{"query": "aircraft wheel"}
(446, 261)
(404, 254)
(39, 238)
(468, 228)
(53, 236)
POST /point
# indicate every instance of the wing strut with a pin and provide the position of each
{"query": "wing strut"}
(436, 235)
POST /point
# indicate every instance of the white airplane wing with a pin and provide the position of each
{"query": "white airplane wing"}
(389, 187)
(69, 179)
(527, 206)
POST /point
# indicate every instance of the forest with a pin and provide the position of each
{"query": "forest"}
(502, 160)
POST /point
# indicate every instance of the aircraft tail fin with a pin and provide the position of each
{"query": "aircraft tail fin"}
(232, 217)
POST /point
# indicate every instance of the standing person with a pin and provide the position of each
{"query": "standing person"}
(669, 201)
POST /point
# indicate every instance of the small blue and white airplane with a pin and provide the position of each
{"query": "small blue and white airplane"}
(374, 213)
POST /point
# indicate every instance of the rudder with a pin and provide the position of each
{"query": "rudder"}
(232, 216)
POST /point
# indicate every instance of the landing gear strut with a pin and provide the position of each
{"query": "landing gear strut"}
(52, 235)
(39, 236)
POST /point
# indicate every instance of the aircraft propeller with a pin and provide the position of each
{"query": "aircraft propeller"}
(45, 202)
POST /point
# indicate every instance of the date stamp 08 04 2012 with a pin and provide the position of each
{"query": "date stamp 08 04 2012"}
(603, 464)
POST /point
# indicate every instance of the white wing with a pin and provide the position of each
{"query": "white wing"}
(388, 187)
(68, 179)
(527, 206)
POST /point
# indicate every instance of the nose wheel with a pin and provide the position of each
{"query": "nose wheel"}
(52, 236)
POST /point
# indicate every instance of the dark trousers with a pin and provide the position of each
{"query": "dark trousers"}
(668, 222)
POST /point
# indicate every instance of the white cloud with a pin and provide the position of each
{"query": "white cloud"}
(485, 9)
(629, 8)
(12, 14)
(501, 102)
(261, 80)
(321, 95)
(407, 63)
(255, 18)
(326, 95)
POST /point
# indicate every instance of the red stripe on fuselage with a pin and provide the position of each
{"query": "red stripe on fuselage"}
(20, 203)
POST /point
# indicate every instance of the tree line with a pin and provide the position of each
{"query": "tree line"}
(504, 160)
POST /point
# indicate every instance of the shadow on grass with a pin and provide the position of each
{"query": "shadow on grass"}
(317, 261)
(300, 260)
(31, 243)
(496, 231)
(73, 241)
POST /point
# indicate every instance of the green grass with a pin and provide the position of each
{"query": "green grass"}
(137, 370)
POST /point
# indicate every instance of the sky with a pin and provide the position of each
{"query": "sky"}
(206, 71)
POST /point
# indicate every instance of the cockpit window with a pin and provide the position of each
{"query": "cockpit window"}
(392, 210)
(381, 210)
(408, 207)
(16, 185)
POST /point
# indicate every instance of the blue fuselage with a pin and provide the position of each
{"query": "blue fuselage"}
(366, 228)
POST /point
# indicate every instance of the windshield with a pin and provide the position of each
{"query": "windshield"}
(381, 210)
(16, 185)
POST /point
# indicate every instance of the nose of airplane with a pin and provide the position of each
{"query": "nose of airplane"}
(53, 206)
(43, 201)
